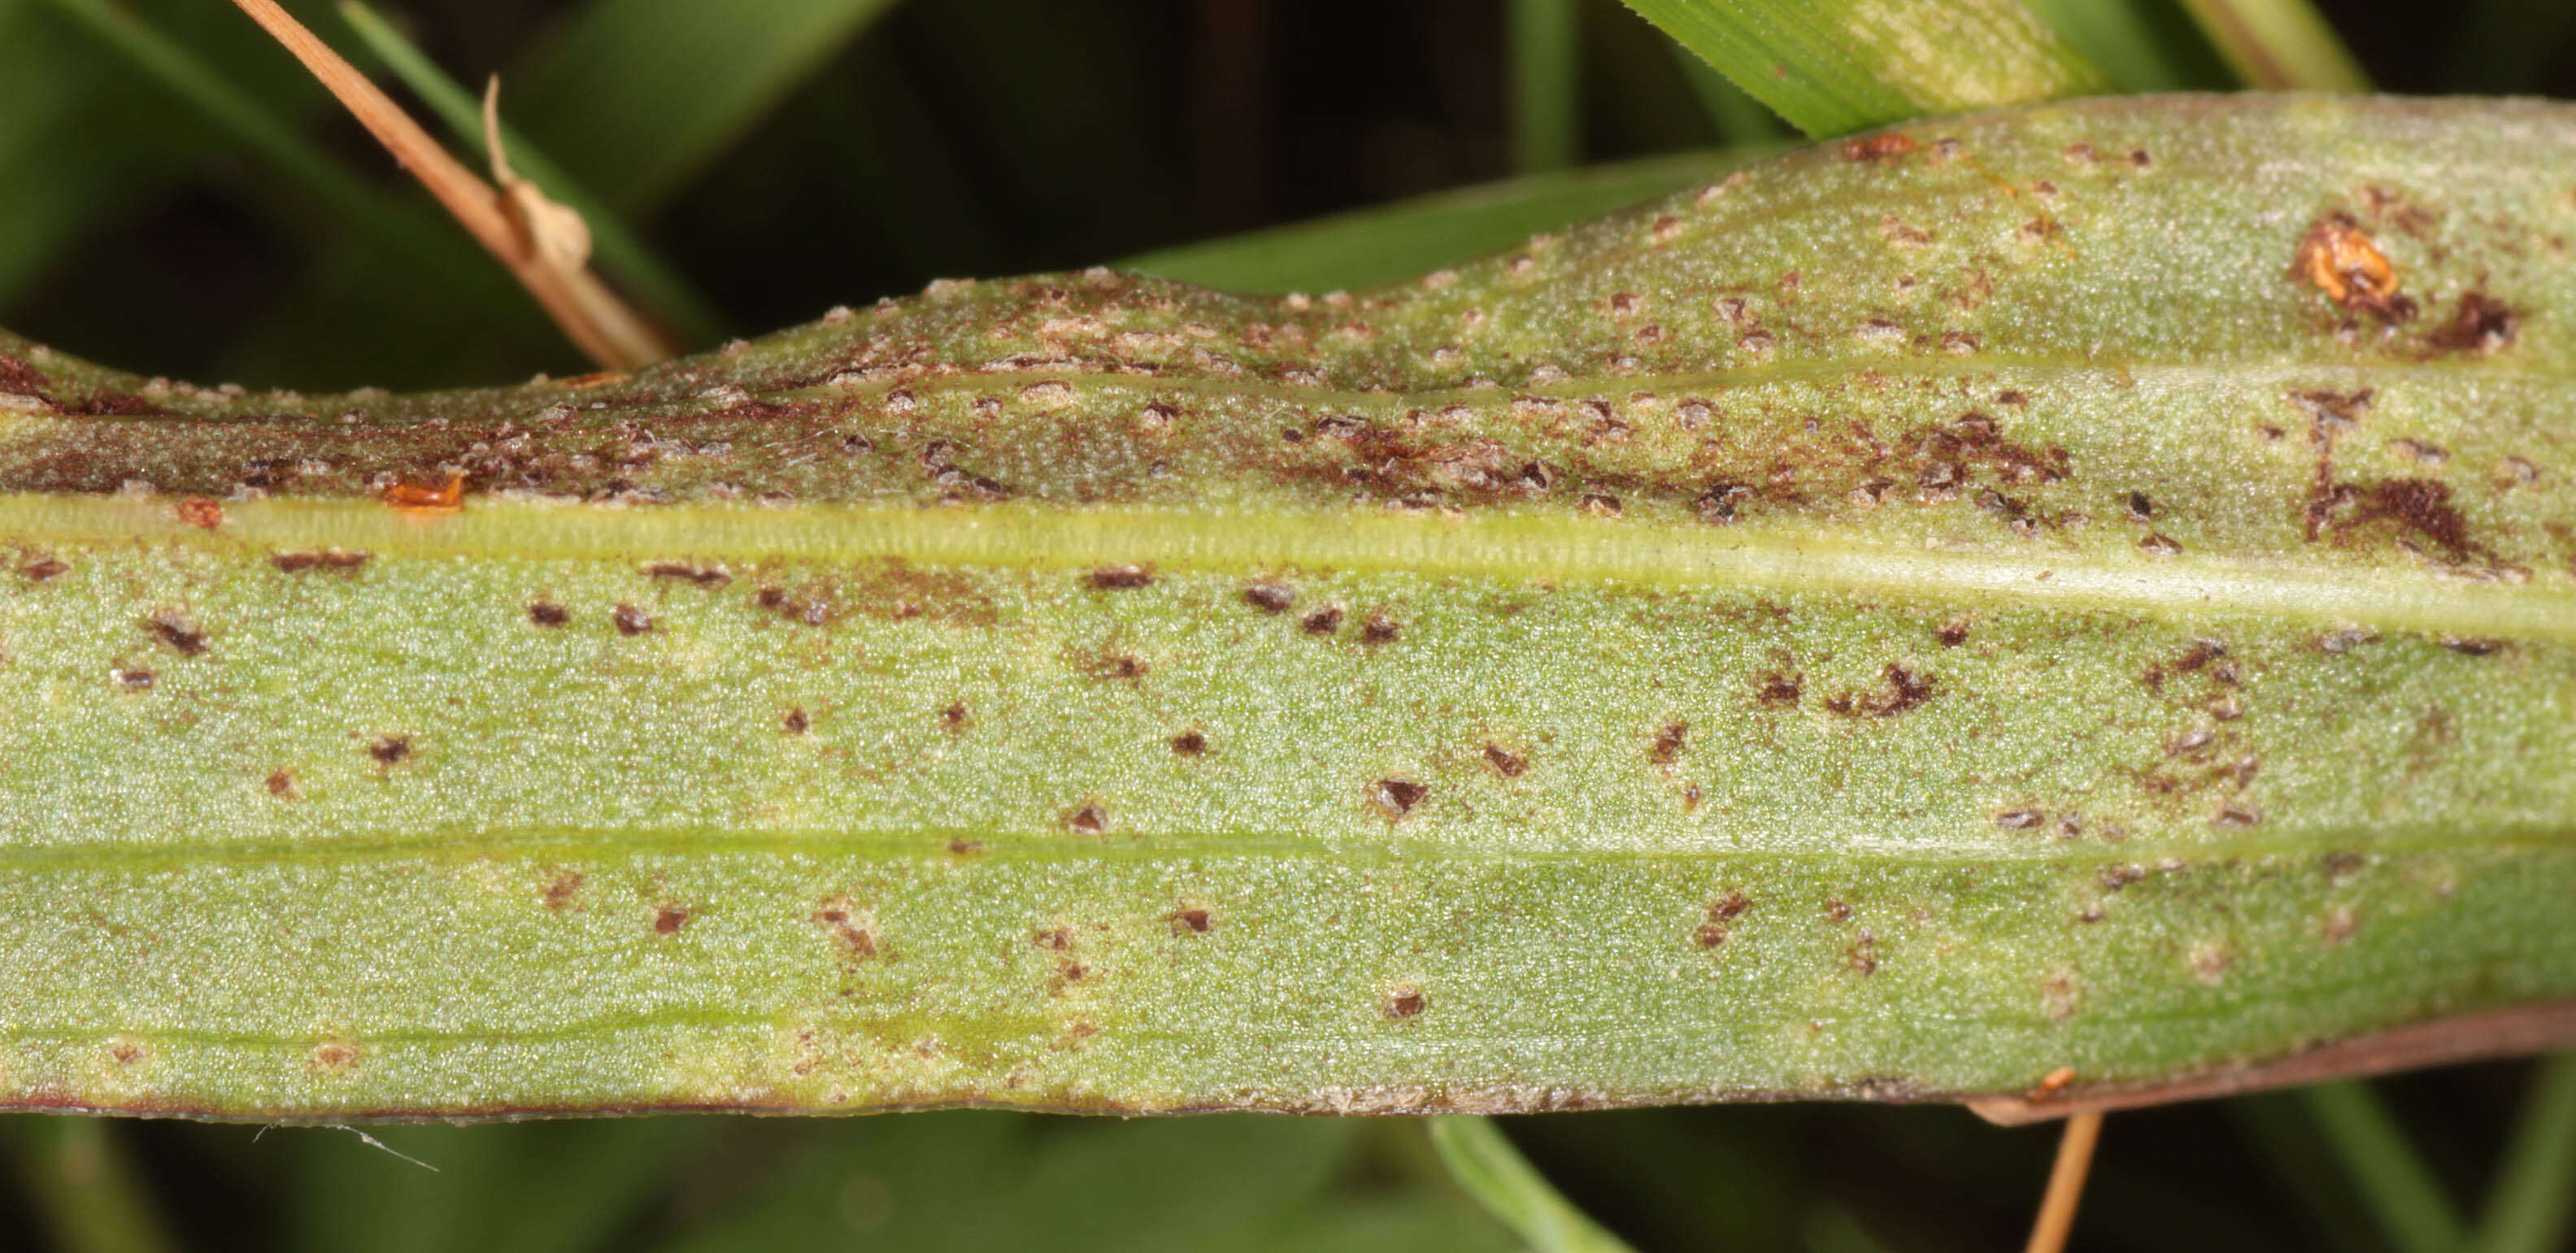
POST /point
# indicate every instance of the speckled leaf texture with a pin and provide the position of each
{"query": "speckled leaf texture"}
(2046, 605)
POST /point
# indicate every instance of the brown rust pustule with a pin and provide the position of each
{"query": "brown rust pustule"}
(2340, 259)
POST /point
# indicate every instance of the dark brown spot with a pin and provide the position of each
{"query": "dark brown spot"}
(1323, 621)
(297, 562)
(1717, 504)
(2141, 508)
(1404, 1000)
(1398, 797)
(126, 1052)
(1879, 147)
(1505, 762)
(2481, 324)
(703, 576)
(2160, 546)
(1863, 954)
(1058, 939)
(630, 620)
(1952, 633)
(1905, 692)
(1779, 689)
(175, 630)
(2019, 819)
(281, 782)
(559, 890)
(199, 512)
(796, 723)
(2419, 505)
(1601, 505)
(133, 680)
(390, 750)
(954, 718)
(1191, 919)
(1722, 911)
(546, 613)
(43, 568)
(2471, 646)
(1668, 744)
(1089, 820)
(839, 916)
(1837, 912)
(1379, 629)
(965, 848)
(1121, 578)
(668, 919)
(1269, 597)
(1189, 744)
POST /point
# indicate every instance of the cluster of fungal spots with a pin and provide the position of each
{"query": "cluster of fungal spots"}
(1906, 690)
(2344, 262)
(1720, 916)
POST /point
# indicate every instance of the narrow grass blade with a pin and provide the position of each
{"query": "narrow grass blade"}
(1390, 241)
(1546, 84)
(1836, 66)
(2535, 1190)
(634, 97)
(1484, 1163)
(621, 253)
(2279, 45)
(1741, 120)
(75, 1170)
(2392, 1180)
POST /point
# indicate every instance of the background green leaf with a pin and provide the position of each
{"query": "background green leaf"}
(1836, 66)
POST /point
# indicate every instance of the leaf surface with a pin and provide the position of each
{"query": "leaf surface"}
(2074, 601)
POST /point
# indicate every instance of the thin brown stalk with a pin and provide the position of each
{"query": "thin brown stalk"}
(592, 316)
(2065, 1184)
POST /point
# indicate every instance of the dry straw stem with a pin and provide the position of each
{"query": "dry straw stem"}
(2065, 1184)
(592, 316)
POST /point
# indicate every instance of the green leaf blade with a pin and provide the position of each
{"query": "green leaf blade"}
(1836, 66)
(1959, 615)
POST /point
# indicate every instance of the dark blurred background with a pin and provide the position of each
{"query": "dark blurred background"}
(982, 137)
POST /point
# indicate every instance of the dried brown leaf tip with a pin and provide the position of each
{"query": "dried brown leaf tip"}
(2338, 258)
